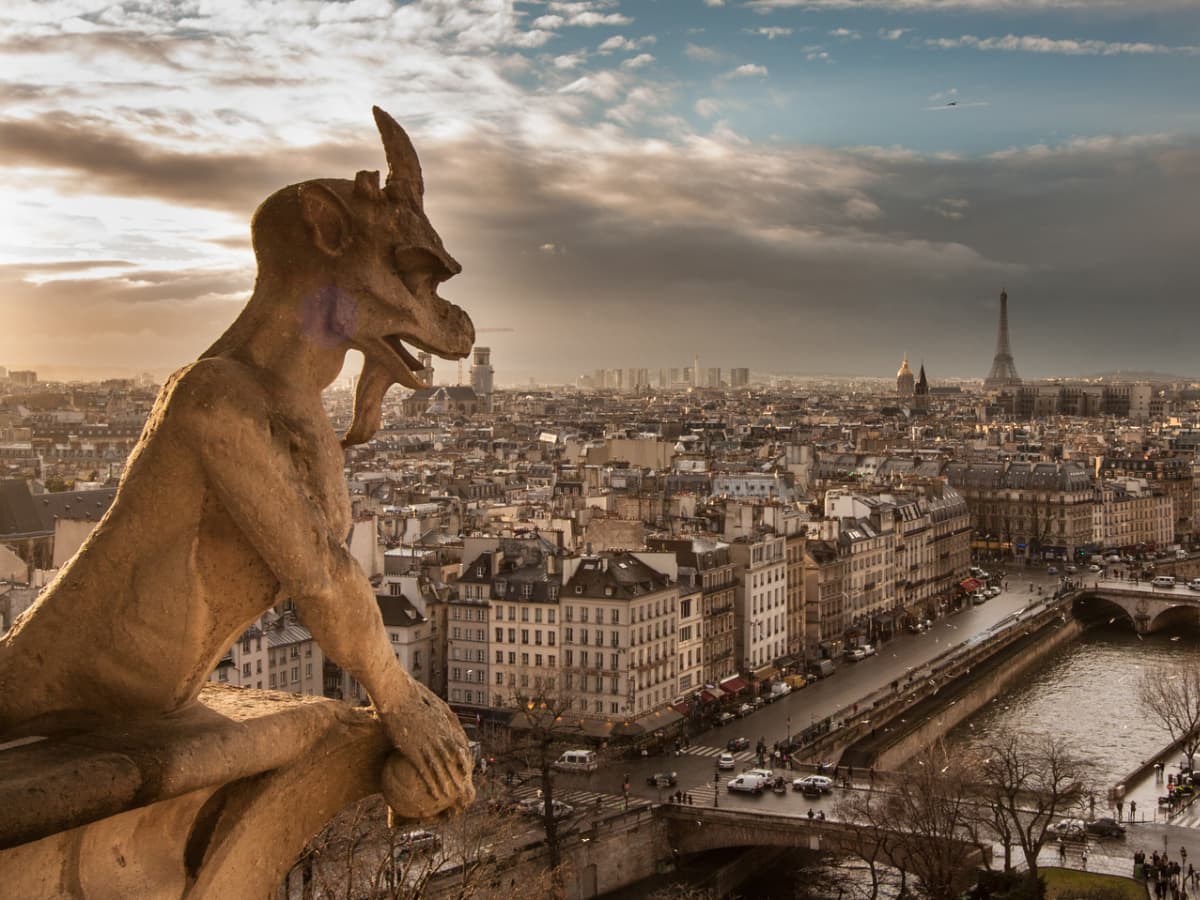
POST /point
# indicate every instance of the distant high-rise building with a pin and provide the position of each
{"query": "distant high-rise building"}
(1004, 372)
(27, 378)
(739, 377)
(904, 379)
(482, 372)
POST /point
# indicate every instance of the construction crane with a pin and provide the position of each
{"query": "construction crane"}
(478, 331)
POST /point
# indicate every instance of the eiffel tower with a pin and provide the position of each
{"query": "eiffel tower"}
(1004, 372)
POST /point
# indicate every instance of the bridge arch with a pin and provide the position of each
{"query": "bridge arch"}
(1180, 615)
(1095, 609)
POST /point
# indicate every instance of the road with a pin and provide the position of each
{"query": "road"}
(696, 765)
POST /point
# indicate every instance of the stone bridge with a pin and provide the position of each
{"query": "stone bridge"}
(1145, 607)
(697, 830)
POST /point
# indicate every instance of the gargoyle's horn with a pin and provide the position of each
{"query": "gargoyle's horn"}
(403, 168)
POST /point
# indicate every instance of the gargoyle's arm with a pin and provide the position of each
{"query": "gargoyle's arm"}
(265, 490)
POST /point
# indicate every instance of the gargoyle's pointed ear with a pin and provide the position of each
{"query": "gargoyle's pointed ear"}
(327, 218)
(404, 170)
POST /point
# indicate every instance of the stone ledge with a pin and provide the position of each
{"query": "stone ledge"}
(224, 793)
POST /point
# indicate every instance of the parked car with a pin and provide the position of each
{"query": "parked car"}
(813, 784)
(738, 743)
(1070, 569)
(979, 598)
(868, 649)
(725, 718)
(992, 591)
(744, 710)
(726, 761)
(758, 702)
(1093, 568)
(1051, 570)
(855, 654)
(1194, 584)
(662, 779)
(419, 841)
(1070, 828)
(1105, 827)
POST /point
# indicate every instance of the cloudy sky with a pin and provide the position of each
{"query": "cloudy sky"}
(812, 186)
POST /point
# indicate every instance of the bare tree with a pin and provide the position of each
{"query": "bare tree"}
(922, 825)
(1173, 695)
(1023, 783)
(542, 728)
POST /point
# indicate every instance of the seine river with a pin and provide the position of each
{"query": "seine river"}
(1088, 693)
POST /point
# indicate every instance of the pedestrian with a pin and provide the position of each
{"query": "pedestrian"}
(1132, 811)
(1120, 809)
(872, 773)
(1083, 859)
(1183, 856)
(1062, 850)
(1191, 874)
(849, 773)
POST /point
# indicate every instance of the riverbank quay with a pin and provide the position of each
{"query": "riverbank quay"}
(889, 726)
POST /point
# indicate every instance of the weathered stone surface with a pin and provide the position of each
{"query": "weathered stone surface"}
(234, 499)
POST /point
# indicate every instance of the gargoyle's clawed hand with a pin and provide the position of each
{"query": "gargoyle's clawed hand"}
(430, 770)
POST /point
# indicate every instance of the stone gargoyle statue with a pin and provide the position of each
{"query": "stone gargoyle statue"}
(234, 497)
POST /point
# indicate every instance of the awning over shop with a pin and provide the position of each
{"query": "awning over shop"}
(682, 708)
(661, 718)
(970, 584)
(765, 673)
(709, 696)
(734, 685)
(785, 662)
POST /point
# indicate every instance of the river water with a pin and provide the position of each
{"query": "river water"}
(1088, 693)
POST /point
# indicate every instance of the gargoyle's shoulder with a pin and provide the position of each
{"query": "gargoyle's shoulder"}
(215, 385)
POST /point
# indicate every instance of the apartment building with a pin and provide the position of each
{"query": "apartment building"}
(760, 602)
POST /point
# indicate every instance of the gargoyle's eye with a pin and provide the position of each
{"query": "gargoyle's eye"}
(419, 268)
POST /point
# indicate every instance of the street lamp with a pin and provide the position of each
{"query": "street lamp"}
(717, 786)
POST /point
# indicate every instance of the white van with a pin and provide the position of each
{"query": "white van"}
(1164, 581)
(578, 761)
(749, 782)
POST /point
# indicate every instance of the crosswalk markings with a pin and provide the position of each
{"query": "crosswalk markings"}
(586, 800)
(713, 752)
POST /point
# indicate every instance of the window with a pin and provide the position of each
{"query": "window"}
(524, 635)
(524, 659)
(583, 659)
(308, 670)
(499, 678)
(568, 657)
(616, 617)
(600, 617)
(537, 616)
(499, 635)
(499, 657)
(295, 673)
(583, 614)
(553, 596)
(537, 660)
(512, 635)
(480, 634)
(615, 639)
(551, 660)
(295, 651)
(614, 662)
(394, 635)
(525, 609)
(246, 670)
(570, 613)
(537, 636)
(416, 658)
(550, 638)
(613, 708)
(512, 614)
(456, 674)
(570, 636)
(599, 638)
(258, 666)
(512, 658)
(272, 682)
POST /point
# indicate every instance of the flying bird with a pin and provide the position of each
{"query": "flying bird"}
(952, 103)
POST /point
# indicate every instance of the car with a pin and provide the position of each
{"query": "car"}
(744, 710)
(758, 702)
(662, 780)
(738, 743)
(1070, 569)
(1105, 827)
(726, 761)
(419, 841)
(1051, 570)
(1093, 568)
(1194, 584)
(535, 806)
(992, 591)
(868, 649)
(725, 718)
(813, 784)
(979, 598)
(856, 654)
(1114, 558)
(1069, 828)
(748, 782)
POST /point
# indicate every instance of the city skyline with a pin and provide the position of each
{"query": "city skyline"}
(805, 186)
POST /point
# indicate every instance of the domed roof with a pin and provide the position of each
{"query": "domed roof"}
(904, 369)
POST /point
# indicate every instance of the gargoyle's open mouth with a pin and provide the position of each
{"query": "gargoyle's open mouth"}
(404, 366)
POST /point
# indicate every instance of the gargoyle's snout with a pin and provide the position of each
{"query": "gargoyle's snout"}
(457, 325)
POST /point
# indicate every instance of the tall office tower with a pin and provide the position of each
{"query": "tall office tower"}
(695, 371)
(712, 377)
(905, 382)
(482, 372)
(739, 378)
(1004, 372)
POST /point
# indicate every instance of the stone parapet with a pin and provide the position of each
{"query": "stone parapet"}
(215, 801)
